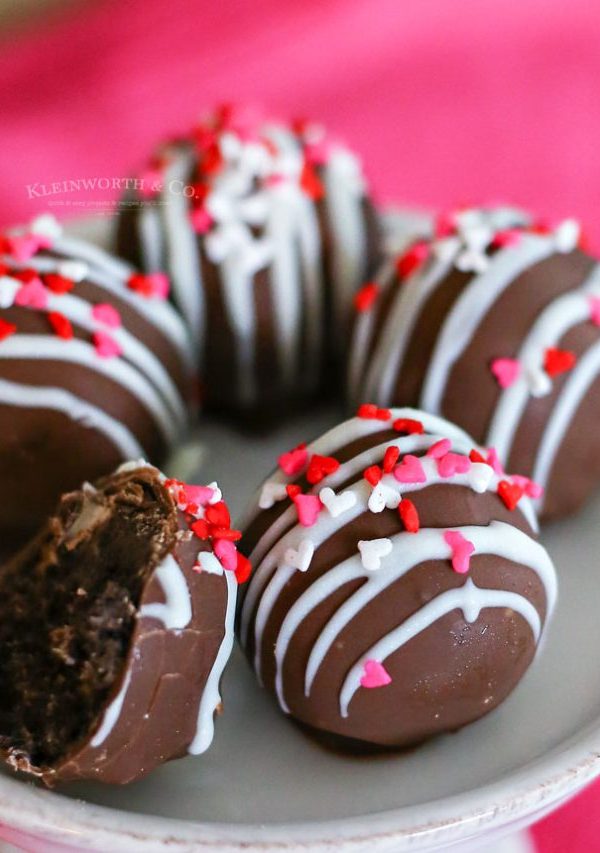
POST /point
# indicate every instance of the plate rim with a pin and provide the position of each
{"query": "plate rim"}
(515, 799)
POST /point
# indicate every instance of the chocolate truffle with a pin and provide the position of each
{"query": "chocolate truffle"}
(495, 325)
(95, 368)
(399, 589)
(116, 625)
(267, 231)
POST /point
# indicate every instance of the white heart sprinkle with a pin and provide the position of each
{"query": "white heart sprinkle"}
(209, 563)
(538, 381)
(337, 504)
(566, 236)
(217, 494)
(470, 260)
(301, 557)
(46, 225)
(75, 270)
(8, 290)
(383, 496)
(270, 494)
(478, 237)
(446, 249)
(480, 476)
(372, 551)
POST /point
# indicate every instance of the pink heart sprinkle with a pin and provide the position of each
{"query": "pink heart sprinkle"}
(25, 246)
(106, 346)
(226, 553)
(201, 220)
(199, 495)
(595, 310)
(461, 550)
(374, 675)
(532, 490)
(506, 371)
(159, 284)
(308, 508)
(410, 470)
(439, 449)
(32, 295)
(151, 183)
(494, 460)
(453, 463)
(294, 461)
(107, 315)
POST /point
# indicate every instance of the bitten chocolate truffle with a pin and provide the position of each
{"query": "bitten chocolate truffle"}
(116, 625)
(266, 230)
(399, 588)
(494, 324)
(95, 368)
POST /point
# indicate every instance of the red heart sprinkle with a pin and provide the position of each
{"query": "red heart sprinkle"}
(320, 467)
(475, 456)
(373, 474)
(409, 426)
(368, 411)
(409, 515)
(6, 329)
(412, 259)
(510, 493)
(218, 514)
(243, 569)
(366, 296)
(200, 529)
(293, 490)
(390, 458)
(557, 361)
(58, 283)
(61, 325)
(310, 182)
(224, 533)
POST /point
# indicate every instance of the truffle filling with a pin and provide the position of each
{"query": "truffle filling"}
(68, 608)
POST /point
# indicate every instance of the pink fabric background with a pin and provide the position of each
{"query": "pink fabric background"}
(447, 101)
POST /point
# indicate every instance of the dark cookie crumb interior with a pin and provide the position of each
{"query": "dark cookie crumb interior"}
(67, 612)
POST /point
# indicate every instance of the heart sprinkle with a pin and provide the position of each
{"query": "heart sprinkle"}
(374, 675)
(372, 552)
(461, 549)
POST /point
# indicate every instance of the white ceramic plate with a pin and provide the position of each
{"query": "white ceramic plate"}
(265, 786)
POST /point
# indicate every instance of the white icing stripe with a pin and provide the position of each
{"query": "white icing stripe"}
(79, 352)
(151, 238)
(552, 324)
(584, 374)
(182, 248)
(176, 611)
(346, 223)
(157, 312)
(113, 712)
(469, 598)
(286, 289)
(59, 400)
(78, 311)
(92, 254)
(502, 540)
(472, 306)
(211, 697)
(309, 240)
(268, 579)
(409, 551)
(389, 352)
